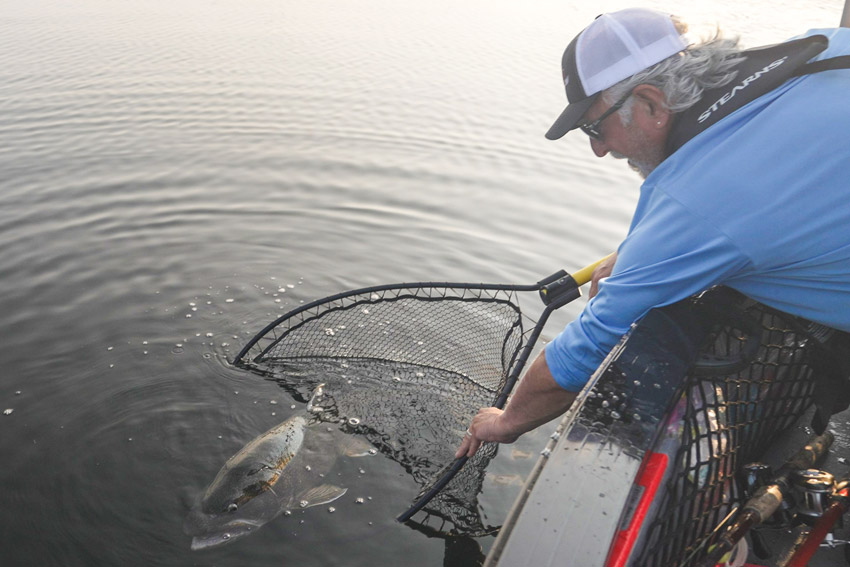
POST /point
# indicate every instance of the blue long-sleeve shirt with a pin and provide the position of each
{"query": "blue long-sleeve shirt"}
(759, 202)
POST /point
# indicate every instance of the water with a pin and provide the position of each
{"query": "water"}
(175, 174)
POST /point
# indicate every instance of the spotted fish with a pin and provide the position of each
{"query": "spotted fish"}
(277, 471)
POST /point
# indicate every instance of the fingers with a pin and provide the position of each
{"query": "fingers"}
(601, 272)
(469, 446)
(594, 288)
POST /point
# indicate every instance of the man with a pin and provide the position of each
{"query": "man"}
(747, 184)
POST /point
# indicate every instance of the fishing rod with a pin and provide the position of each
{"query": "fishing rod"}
(768, 498)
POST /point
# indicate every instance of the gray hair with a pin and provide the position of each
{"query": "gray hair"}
(685, 76)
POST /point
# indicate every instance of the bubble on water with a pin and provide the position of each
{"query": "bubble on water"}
(420, 375)
(194, 309)
(221, 436)
(292, 406)
(308, 468)
(359, 501)
(282, 290)
(353, 421)
(273, 402)
(362, 471)
(287, 513)
(365, 311)
(228, 300)
(178, 349)
(277, 300)
(207, 355)
(615, 415)
(109, 348)
(290, 286)
(329, 332)
(18, 393)
(144, 342)
(225, 536)
(396, 378)
(303, 503)
(375, 297)
(191, 304)
(331, 509)
(8, 411)
(189, 316)
(208, 335)
(232, 507)
(373, 451)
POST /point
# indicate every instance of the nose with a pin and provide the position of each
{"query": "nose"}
(599, 147)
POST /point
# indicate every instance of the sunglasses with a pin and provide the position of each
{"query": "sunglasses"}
(593, 129)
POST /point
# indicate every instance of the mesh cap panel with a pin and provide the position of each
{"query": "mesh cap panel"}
(618, 45)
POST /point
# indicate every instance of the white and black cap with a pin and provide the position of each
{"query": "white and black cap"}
(614, 47)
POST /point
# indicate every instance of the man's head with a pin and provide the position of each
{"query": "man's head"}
(629, 73)
(614, 47)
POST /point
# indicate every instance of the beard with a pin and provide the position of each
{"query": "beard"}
(642, 168)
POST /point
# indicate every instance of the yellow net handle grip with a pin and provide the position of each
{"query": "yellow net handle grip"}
(583, 275)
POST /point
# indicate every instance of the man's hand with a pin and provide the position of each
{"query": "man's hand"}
(603, 270)
(536, 400)
(488, 425)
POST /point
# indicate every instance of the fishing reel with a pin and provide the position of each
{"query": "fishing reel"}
(815, 506)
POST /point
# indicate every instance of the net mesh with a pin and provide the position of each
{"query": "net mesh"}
(407, 368)
(723, 423)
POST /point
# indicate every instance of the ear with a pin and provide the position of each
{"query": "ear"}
(651, 107)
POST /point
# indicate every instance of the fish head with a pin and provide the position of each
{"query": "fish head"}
(254, 470)
(223, 534)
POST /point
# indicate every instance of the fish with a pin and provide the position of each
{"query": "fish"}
(277, 471)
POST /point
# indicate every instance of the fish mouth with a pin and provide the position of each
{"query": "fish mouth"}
(224, 534)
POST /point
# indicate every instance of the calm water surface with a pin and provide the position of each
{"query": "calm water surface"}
(166, 167)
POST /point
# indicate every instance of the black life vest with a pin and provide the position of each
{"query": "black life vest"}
(762, 70)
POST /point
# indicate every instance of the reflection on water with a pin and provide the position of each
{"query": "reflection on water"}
(177, 174)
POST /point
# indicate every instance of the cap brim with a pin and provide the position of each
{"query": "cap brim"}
(569, 118)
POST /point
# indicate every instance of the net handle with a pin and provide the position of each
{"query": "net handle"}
(579, 278)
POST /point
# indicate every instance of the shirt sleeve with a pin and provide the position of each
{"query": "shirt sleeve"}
(671, 253)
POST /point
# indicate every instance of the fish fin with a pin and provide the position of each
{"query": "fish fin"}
(356, 447)
(318, 391)
(323, 494)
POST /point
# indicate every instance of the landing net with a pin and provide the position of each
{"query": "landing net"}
(407, 367)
